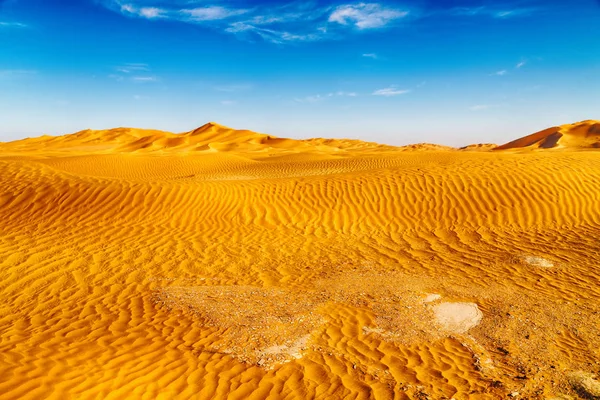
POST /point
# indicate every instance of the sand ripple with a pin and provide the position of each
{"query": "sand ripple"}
(227, 264)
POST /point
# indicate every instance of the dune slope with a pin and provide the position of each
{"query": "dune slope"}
(581, 135)
(220, 263)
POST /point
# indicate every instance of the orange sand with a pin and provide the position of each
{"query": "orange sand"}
(229, 264)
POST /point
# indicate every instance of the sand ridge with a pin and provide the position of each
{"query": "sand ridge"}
(581, 135)
(221, 263)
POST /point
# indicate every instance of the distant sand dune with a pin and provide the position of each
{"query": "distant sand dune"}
(220, 263)
(581, 135)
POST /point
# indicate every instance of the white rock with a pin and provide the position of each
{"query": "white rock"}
(457, 317)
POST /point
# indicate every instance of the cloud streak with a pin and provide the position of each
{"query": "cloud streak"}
(212, 13)
(390, 92)
(365, 16)
(493, 12)
(151, 12)
(132, 67)
(144, 79)
(321, 97)
(133, 72)
(7, 24)
(294, 21)
(291, 22)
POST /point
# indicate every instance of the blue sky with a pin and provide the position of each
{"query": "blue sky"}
(398, 72)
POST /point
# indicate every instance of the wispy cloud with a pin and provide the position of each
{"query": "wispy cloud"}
(212, 13)
(390, 91)
(321, 97)
(133, 72)
(480, 107)
(366, 16)
(132, 67)
(144, 79)
(494, 12)
(518, 12)
(151, 12)
(370, 55)
(343, 94)
(504, 72)
(293, 21)
(7, 24)
(310, 99)
(144, 12)
(272, 35)
(287, 23)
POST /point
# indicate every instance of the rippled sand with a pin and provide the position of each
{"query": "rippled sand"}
(229, 264)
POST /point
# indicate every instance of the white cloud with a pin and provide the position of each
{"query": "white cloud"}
(521, 64)
(500, 73)
(212, 13)
(132, 67)
(290, 22)
(503, 14)
(116, 77)
(468, 11)
(128, 8)
(491, 12)
(143, 12)
(5, 24)
(151, 12)
(370, 55)
(266, 19)
(343, 94)
(320, 97)
(237, 27)
(133, 72)
(365, 15)
(479, 107)
(390, 91)
(290, 37)
(310, 99)
(272, 35)
(143, 79)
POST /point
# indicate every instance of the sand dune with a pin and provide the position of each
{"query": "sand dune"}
(220, 263)
(581, 135)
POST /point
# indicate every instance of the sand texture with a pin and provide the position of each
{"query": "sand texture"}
(224, 264)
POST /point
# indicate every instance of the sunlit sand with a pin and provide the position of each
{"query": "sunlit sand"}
(221, 263)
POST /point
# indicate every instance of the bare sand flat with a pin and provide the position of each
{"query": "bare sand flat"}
(221, 263)
(458, 317)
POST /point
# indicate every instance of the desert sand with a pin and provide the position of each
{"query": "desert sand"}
(221, 263)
